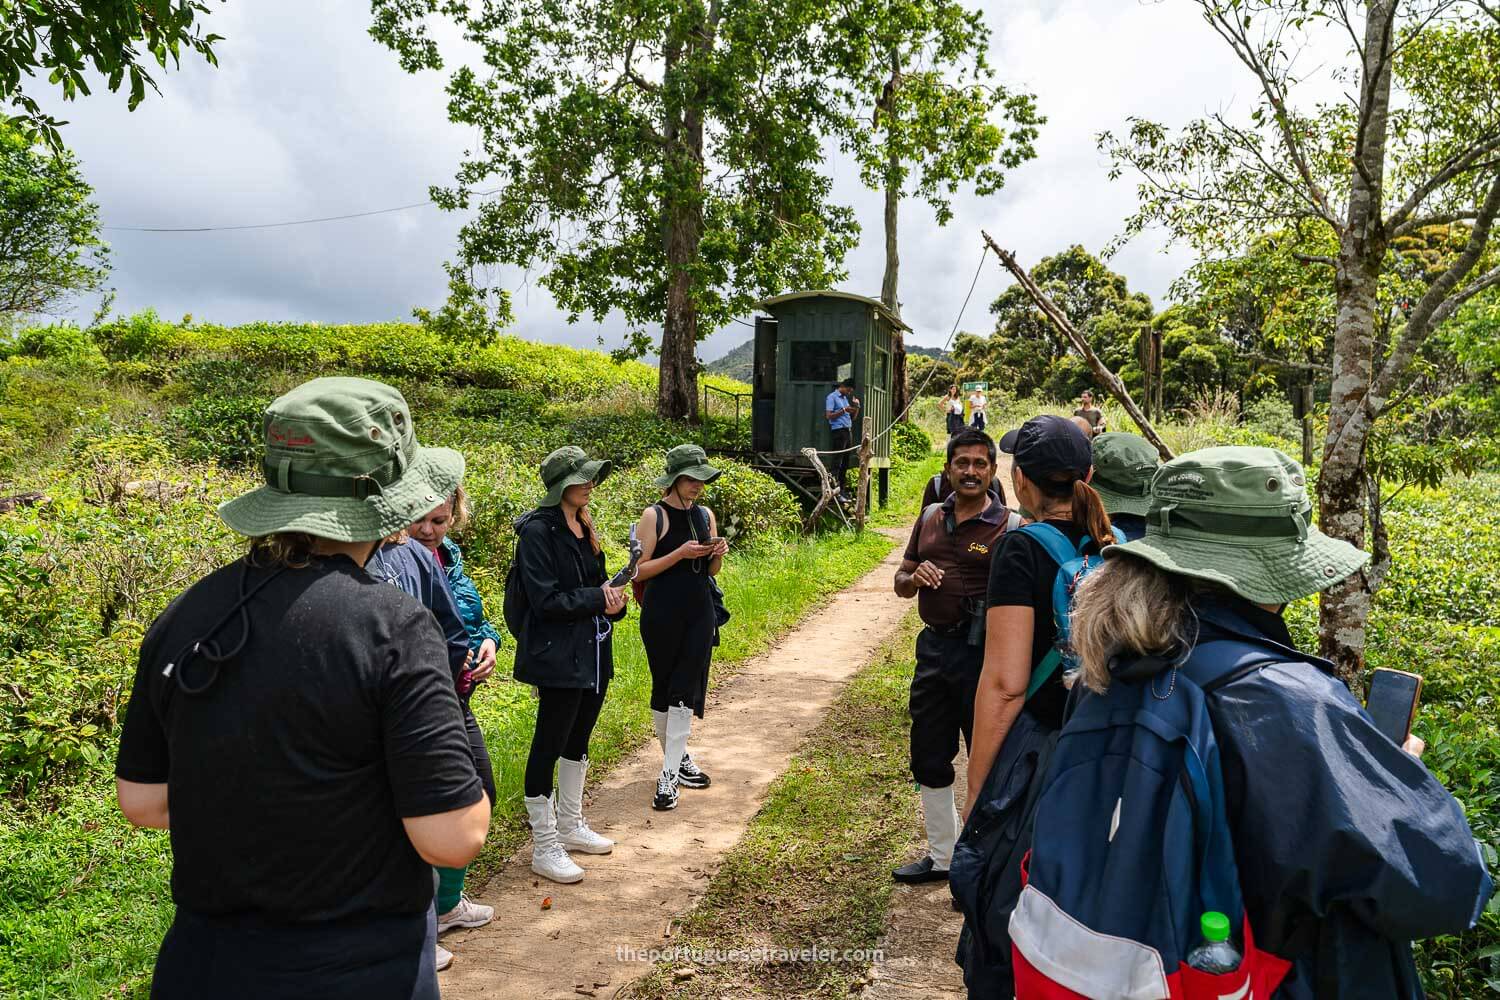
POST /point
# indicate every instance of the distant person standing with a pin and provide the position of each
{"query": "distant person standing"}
(953, 410)
(977, 402)
(947, 568)
(841, 407)
(1088, 411)
(1124, 465)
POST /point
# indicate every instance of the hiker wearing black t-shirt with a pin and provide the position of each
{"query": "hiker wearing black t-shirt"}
(563, 648)
(1050, 476)
(681, 554)
(947, 568)
(293, 723)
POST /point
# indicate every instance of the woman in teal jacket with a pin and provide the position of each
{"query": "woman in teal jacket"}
(432, 531)
(454, 908)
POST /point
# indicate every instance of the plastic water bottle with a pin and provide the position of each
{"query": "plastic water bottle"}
(1217, 954)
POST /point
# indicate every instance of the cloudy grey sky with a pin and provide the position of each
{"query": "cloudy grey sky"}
(307, 116)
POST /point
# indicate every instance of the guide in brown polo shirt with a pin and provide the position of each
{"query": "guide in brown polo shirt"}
(946, 568)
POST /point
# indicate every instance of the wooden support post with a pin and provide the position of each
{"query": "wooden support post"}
(829, 498)
(1060, 321)
(885, 485)
(1305, 398)
(866, 450)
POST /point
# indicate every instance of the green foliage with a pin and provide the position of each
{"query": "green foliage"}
(49, 226)
(751, 506)
(909, 442)
(929, 376)
(1026, 356)
(919, 71)
(596, 152)
(63, 41)
(1272, 415)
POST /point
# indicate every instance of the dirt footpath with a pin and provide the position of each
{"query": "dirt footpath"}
(583, 944)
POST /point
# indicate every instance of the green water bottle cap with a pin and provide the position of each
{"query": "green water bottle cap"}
(1215, 926)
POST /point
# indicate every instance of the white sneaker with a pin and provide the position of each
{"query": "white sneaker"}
(444, 958)
(548, 859)
(466, 914)
(552, 862)
(585, 841)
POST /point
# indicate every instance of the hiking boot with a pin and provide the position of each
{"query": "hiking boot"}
(548, 859)
(572, 829)
(666, 793)
(466, 914)
(444, 958)
(920, 872)
(690, 775)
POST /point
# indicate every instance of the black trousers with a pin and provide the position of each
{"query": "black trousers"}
(955, 423)
(942, 703)
(565, 720)
(481, 754)
(843, 438)
(372, 958)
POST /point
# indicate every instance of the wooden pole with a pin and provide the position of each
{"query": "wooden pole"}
(1060, 321)
(829, 498)
(866, 450)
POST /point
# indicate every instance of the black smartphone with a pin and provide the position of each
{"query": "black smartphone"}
(1392, 702)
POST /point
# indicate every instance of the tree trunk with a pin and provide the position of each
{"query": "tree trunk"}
(677, 372)
(888, 284)
(1345, 607)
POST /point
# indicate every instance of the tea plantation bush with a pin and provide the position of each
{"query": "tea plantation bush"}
(909, 442)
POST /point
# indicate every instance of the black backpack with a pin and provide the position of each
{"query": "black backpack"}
(515, 607)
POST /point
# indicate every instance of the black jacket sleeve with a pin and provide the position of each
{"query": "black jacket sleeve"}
(549, 599)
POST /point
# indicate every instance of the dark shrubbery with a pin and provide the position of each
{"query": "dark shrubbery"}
(909, 442)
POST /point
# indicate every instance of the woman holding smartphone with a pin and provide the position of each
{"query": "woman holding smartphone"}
(563, 648)
(681, 553)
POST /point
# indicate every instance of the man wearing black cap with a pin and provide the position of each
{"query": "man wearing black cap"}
(841, 407)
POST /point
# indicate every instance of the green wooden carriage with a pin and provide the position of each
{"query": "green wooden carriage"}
(803, 347)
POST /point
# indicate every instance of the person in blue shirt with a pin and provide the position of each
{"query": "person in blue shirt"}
(840, 408)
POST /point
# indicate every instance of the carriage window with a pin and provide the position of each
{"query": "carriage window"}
(820, 360)
(878, 376)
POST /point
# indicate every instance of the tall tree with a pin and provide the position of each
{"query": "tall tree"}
(663, 160)
(50, 248)
(929, 117)
(64, 38)
(1414, 143)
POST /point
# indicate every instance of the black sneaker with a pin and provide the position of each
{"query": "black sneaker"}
(689, 775)
(666, 793)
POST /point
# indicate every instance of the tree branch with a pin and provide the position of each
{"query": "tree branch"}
(1434, 306)
(1452, 167)
(1060, 321)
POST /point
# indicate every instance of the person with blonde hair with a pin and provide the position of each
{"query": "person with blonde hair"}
(565, 649)
(1346, 847)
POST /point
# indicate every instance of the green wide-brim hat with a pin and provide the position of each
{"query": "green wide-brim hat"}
(1240, 517)
(570, 466)
(342, 462)
(687, 460)
(1124, 465)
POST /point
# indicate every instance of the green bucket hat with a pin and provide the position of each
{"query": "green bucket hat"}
(342, 462)
(1240, 517)
(1123, 467)
(570, 466)
(687, 460)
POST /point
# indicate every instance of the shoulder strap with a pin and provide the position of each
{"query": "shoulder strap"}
(661, 518)
(1043, 671)
(1012, 521)
(1051, 538)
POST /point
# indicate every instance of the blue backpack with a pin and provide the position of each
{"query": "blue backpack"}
(1131, 843)
(1073, 564)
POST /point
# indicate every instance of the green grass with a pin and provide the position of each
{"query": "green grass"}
(84, 898)
(812, 870)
